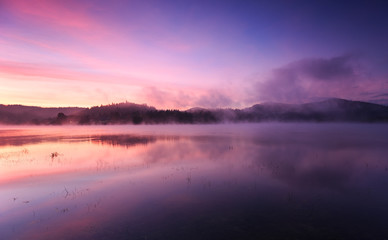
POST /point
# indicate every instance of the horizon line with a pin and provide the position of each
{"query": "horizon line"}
(185, 109)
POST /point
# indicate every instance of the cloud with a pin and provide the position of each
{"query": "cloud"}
(337, 68)
(165, 98)
(55, 13)
(213, 99)
(186, 98)
(60, 73)
(315, 78)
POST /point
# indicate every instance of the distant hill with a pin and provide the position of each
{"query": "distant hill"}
(120, 113)
(331, 110)
(19, 114)
(324, 111)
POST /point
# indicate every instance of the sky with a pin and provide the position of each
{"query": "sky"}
(183, 54)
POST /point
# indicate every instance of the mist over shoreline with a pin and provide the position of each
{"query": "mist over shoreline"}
(331, 110)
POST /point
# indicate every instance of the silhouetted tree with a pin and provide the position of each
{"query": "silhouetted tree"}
(61, 116)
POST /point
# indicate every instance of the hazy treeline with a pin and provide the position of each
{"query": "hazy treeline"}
(130, 113)
(19, 114)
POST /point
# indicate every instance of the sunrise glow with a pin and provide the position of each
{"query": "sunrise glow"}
(172, 54)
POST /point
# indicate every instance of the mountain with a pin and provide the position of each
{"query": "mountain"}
(330, 110)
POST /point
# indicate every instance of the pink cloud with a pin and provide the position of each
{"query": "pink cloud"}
(66, 26)
(187, 98)
(56, 13)
(141, 64)
(60, 73)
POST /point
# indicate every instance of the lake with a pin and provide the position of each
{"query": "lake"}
(242, 181)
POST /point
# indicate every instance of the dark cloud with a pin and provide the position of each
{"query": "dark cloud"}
(382, 95)
(381, 98)
(311, 79)
(337, 68)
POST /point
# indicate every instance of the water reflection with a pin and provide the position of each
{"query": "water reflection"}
(237, 182)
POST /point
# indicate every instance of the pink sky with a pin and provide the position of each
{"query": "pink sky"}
(86, 53)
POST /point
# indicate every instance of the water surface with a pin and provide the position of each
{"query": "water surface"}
(245, 181)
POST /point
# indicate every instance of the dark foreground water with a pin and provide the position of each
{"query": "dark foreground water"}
(253, 181)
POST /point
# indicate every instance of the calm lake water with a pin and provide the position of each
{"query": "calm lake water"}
(246, 181)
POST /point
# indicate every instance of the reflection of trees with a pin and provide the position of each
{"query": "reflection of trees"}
(114, 140)
(123, 140)
(130, 140)
(23, 140)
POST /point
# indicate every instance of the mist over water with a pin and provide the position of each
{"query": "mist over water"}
(231, 181)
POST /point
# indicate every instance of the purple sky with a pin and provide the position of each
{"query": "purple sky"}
(182, 54)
